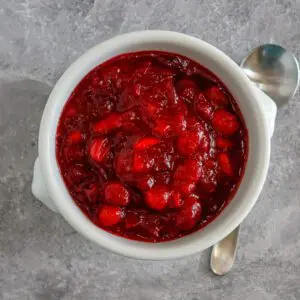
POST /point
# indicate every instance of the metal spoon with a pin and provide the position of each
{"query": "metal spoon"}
(276, 72)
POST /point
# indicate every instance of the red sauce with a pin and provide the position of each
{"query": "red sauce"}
(151, 146)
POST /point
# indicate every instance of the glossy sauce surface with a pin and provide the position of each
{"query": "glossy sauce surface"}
(151, 146)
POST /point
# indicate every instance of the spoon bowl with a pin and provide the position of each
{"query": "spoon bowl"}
(274, 70)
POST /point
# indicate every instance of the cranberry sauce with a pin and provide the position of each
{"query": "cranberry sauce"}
(151, 146)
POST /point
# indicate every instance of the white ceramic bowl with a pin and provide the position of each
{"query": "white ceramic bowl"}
(49, 187)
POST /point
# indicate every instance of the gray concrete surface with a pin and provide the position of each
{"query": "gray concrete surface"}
(41, 257)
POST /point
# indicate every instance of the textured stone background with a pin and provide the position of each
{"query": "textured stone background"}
(41, 257)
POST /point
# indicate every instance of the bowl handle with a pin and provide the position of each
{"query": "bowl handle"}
(269, 108)
(38, 187)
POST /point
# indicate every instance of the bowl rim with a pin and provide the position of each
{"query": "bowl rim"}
(191, 243)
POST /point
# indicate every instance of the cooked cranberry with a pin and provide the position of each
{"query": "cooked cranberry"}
(216, 96)
(157, 198)
(186, 176)
(151, 146)
(115, 193)
(225, 122)
(208, 184)
(187, 88)
(99, 149)
(170, 125)
(176, 200)
(223, 143)
(110, 215)
(145, 183)
(108, 124)
(225, 164)
(193, 140)
(189, 214)
(163, 127)
(203, 107)
(145, 143)
(190, 169)
(74, 137)
(143, 161)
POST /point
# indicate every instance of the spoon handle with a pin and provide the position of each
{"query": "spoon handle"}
(223, 253)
